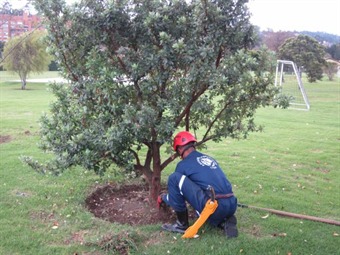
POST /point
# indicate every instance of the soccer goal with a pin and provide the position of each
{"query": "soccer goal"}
(289, 81)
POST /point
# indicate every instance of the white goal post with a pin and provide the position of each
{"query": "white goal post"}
(288, 78)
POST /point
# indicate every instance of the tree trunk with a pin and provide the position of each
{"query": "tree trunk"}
(23, 77)
(153, 178)
(155, 186)
(23, 84)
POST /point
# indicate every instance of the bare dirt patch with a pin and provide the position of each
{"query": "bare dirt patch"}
(127, 204)
(5, 139)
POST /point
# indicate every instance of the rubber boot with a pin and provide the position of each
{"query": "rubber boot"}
(182, 223)
(230, 227)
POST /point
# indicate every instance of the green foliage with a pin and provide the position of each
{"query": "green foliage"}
(307, 53)
(322, 37)
(25, 54)
(140, 70)
(334, 51)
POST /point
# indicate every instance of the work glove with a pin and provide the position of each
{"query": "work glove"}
(160, 202)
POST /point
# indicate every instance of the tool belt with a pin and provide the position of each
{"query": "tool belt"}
(220, 196)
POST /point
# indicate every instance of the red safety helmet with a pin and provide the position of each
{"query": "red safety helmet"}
(183, 138)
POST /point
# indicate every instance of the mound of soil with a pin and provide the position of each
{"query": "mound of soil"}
(126, 204)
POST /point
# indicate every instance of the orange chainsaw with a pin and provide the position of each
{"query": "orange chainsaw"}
(208, 209)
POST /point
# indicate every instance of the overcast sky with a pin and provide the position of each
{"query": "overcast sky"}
(298, 15)
(284, 15)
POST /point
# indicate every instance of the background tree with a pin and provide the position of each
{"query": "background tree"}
(330, 69)
(25, 54)
(2, 45)
(334, 51)
(5, 7)
(322, 37)
(142, 70)
(307, 53)
(273, 40)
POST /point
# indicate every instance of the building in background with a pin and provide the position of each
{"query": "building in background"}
(16, 22)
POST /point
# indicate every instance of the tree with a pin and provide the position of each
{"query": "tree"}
(273, 40)
(334, 51)
(330, 69)
(307, 53)
(25, 54)
(5, 7)
(2, 45)
(140, 71)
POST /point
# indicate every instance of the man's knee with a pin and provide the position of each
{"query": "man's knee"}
(175, 178)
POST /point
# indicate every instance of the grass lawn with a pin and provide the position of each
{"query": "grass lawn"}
(11, 76)
(292, 166)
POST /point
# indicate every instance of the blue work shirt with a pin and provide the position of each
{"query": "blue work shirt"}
(204, 171)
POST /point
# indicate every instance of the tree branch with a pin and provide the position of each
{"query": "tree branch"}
(64, 58)
(187, 120)
(134, 153)
(187, 108)
(148, 158)
(168, 161)
(217, 116)
(219, 56)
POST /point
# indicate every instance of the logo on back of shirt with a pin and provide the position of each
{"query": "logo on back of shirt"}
(207, 161)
